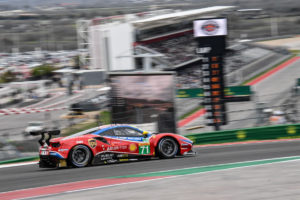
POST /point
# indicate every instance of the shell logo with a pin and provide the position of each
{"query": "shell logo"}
(132, 147)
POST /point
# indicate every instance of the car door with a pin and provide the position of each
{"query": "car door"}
(104, 141)
(138, 142)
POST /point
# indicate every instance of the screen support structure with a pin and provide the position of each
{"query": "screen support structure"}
(210, 35)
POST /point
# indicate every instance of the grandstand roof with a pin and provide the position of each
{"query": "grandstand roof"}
(183, 14)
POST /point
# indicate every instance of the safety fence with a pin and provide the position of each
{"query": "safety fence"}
(290, 131)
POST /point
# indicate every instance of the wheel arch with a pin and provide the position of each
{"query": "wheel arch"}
(92, 152)
(167, 136)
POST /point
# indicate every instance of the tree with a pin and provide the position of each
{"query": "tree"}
(7, 77)
(42, 71)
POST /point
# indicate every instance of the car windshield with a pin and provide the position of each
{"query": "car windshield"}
(35, 124)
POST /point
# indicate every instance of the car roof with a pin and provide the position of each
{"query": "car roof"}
(109, 127)
(100, 129)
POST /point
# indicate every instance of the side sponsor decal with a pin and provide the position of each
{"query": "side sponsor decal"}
(92, 143)
(56, 154)
(114, 148)
(132, 147)
(106, 156)
(122, 156)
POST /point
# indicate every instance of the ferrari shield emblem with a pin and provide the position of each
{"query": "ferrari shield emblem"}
(92, 143)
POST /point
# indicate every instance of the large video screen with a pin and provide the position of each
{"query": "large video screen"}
(143, 98)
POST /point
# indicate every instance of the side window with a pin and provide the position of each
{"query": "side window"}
(108, 133)
(133, 133)
(102, 139)
(119, 132)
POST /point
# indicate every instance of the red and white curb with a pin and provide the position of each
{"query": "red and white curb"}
(74, 186)
(28, 110)
(24, 111)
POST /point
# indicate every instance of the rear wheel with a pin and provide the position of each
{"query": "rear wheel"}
(80, 156)
(167, 148)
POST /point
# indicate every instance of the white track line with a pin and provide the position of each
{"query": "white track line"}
(18, 164)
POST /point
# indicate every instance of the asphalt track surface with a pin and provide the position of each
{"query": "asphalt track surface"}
(30, 176)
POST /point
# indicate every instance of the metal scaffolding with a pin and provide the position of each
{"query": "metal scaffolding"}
(83, 42)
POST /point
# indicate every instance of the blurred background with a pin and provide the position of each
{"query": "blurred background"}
(56, 58)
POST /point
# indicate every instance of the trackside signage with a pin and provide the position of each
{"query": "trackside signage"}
(210, 35)
(210, 27)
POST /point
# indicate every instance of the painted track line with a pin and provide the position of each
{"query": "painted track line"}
(191, 118)
(18, 164)
(271, 72)
(45, 101)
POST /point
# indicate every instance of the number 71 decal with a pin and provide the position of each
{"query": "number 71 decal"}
(145, 149)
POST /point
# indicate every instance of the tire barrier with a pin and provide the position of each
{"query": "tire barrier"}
(290, 131)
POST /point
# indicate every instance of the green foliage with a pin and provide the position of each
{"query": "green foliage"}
(42, 71)
(105, 117)
(7, 77)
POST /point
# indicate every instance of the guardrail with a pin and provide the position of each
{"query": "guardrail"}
(290, 131)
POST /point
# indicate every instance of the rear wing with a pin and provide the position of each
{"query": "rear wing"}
(42, 141)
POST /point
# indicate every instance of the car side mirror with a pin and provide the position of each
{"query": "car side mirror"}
(145, 133)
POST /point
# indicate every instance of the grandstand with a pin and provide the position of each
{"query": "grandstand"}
(172, 35)
(152, 30)
(166, 38)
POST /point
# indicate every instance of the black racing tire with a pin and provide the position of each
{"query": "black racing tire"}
(80, 156)
(167, 147)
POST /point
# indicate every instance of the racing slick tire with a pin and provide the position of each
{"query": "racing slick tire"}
(167, 147)
(80, 156)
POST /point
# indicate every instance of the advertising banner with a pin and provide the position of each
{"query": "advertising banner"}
(210, 27)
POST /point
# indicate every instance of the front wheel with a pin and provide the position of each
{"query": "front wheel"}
(80, 156)
(167, 148)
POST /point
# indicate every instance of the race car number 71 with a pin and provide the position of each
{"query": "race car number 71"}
(144, 149)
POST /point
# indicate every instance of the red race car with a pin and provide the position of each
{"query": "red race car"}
(107, 144)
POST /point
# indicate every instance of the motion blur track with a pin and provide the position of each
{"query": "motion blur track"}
(228, 156)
